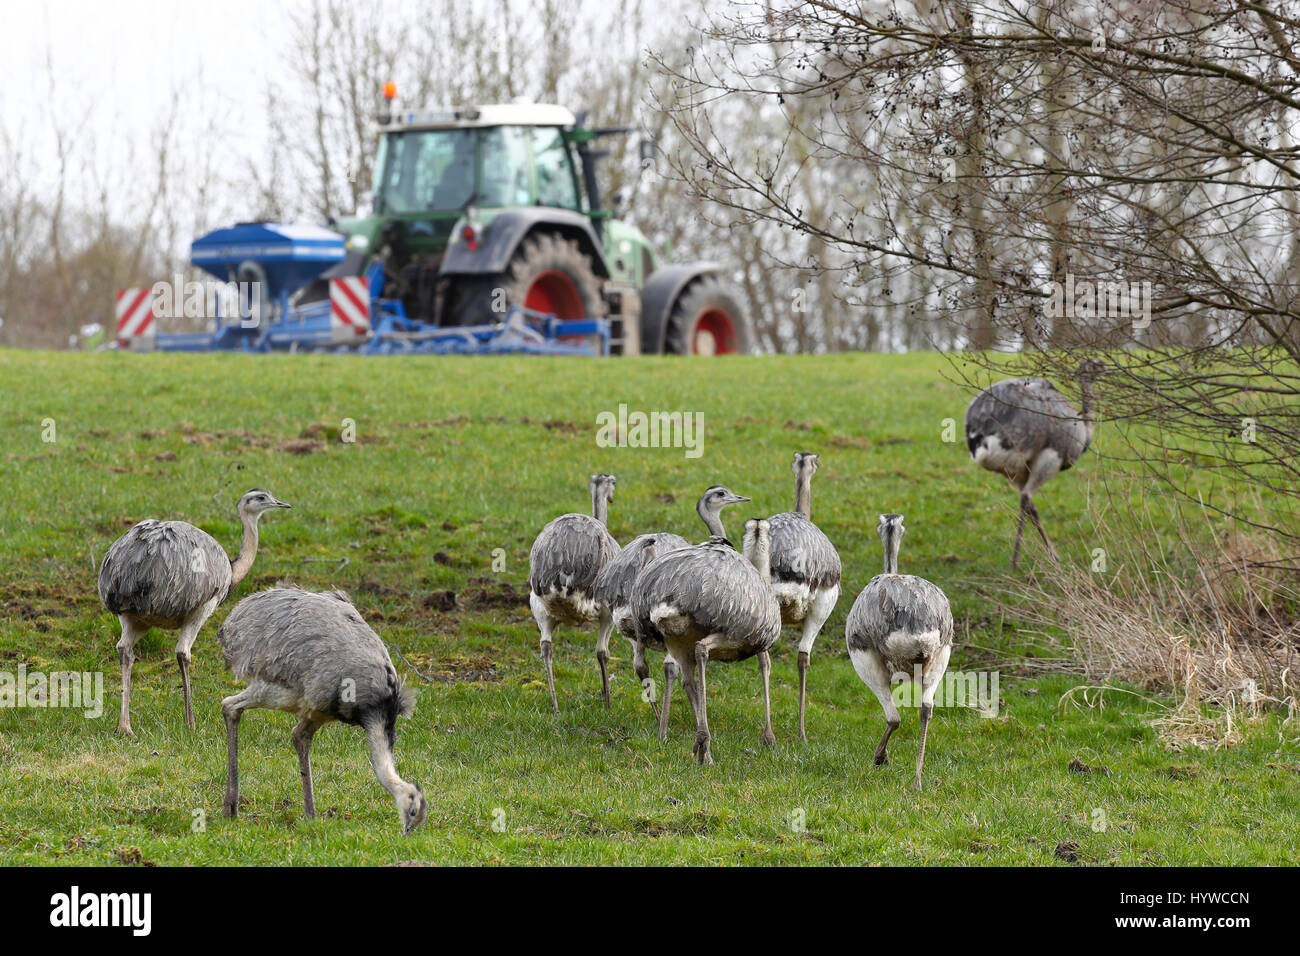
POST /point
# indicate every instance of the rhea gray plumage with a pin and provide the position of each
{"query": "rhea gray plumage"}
(900, 624)
(563, 564)
(709, 603)
(617, 583)
(314, 656)
(171, 575)
(805, 570)
(1027, 431)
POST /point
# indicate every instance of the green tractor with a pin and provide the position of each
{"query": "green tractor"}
(481, 208)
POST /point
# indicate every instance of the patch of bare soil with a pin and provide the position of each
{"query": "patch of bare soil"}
(555, 425)
(440, 600)
(483, 594)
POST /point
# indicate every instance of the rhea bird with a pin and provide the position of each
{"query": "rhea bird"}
(899, 626)
(171, 575)
(311, 654)
(616, 584)
(564, 561)
(1027, 431)
(805, 570)
(709, 603)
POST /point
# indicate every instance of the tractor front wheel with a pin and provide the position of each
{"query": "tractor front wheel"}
(708, 320)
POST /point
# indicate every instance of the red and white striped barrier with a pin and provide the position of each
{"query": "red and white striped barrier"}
(350, 307)
(134, 312)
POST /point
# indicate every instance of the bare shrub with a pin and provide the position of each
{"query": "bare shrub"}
(1173, 604)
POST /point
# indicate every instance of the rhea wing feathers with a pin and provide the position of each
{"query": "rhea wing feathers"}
(160, 571)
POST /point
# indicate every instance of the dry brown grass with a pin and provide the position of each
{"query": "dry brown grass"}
(1209, 617)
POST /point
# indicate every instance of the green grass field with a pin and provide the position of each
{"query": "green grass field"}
(457, 464)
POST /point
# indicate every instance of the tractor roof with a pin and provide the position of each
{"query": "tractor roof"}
(497, 114)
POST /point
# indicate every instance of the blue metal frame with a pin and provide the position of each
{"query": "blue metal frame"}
(293, 255)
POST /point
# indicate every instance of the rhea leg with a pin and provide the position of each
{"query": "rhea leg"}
(823, 604)
(642, 668)
(693, 682)
(232, 708)
(930, 678)
(670, 671)
(189, 633)
(545, 624)
(126, 657)
(1027, 506)
(302, 735)
(871, 668)
(1047, 464)
(602, 650)
(765, 670)
(1020, 531)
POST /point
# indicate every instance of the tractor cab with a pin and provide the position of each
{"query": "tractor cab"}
(492, 157)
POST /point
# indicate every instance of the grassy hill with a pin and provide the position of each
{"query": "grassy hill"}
(457, 463)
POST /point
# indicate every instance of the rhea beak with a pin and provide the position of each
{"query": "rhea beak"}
(277, 503)
(736, 499)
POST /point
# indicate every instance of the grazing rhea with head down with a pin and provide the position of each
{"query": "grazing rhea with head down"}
(1026, 431)
(897, 624)
(710, 603)
(171, 575)
(805, 570)
(563, 564)
(313, 656)
(616, 584)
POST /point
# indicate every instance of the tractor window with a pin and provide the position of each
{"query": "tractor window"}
(427, 170)
(555, 185)
(504, 176)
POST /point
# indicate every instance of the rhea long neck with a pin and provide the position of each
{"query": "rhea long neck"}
(803, 494)
(599, 505)
(758, 551)
(247, 549)
(381, 758)
(891, 541)
(712, 520)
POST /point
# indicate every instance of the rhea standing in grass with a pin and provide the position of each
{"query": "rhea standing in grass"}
(710, 603)
(616, 584)
(313, 656)
(1026, 431)
(563, 563)
(171, 575)
(805, 570)
(897, 624)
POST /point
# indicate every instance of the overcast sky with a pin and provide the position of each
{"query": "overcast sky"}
(115, 66)
(126, 56)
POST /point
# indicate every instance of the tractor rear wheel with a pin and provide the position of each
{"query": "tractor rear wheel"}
(708, 320)
(548, 274)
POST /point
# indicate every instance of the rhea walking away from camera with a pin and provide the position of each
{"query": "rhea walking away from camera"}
(710, 603)
(805, 571)
(616, 584)
(899, 624)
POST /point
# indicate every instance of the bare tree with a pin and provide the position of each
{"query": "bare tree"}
(1034, 166)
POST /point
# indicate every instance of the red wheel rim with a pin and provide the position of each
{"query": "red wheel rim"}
(555, 293)
(715, 334)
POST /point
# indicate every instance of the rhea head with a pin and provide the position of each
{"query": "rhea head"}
(254, 502)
